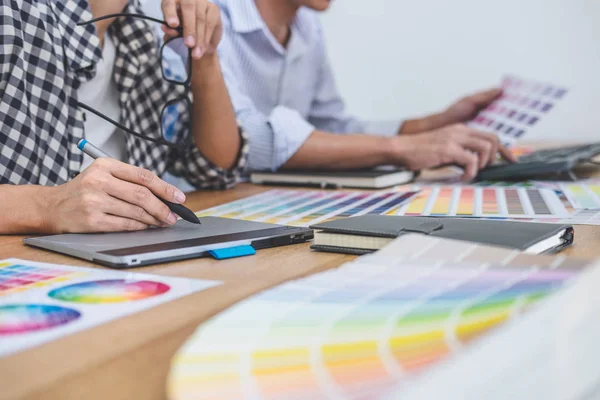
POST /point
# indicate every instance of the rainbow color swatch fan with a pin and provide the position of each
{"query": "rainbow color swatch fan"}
(360, 330)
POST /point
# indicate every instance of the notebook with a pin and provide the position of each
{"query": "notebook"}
(377, 178)
(367, 233)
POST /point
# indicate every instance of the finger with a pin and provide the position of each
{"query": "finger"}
(169, 9)
(110, 223)
(169, 33)
(141, 197)
(119, 208)
(218, 31)
(507, 154)
(483, 148)
(492, 141)
(148, 179)
(213, 20)
(485, 98)
(466, 159)
(201, 26)
(188, 13)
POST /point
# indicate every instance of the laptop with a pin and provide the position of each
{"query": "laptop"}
(182, 241)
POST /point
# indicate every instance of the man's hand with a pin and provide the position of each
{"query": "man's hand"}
(468, 107)
(455, 144)
(110, 196)
(462, 111)
(201, 22)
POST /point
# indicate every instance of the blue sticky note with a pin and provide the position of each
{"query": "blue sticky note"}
(232, 252)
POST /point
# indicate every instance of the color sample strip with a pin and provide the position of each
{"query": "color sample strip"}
(221, 209)
(348, 207)
(466, 203)
(303, 208)
(417, 206)
(442, 203)
(389, 206)
(583, 196)
(513, 202)
(274, 215)
(352, 332)
(495, 200)
(268, 206)
(308, 214)
(490, 202)
(538, 203)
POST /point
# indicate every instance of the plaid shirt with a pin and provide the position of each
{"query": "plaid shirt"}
(45, 57)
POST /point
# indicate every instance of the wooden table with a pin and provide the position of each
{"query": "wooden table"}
(129, 358)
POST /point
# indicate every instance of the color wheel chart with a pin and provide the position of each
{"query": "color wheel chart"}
(523, 104)
(356, 331)
(42, 302)
(304, 208)
(495, 202)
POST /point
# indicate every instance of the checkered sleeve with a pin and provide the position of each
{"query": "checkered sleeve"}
(138, 73)
(200, 172)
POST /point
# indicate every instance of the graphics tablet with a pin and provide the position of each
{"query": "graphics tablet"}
(182, 241)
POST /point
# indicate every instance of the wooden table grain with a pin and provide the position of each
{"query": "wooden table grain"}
(129, 358)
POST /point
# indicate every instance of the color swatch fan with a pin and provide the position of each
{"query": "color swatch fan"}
(308, 207)
(521, 107)
(356, 331)
(491, 202)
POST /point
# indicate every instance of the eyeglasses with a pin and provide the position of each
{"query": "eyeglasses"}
(174, 107)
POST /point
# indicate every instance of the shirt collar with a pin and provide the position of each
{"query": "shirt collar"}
(245, 17)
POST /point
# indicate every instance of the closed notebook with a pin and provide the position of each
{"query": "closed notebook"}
(365, 234)
(376, 178)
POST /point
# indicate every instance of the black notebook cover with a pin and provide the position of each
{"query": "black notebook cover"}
(515, 235)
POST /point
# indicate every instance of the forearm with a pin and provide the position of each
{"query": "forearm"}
(215, 127)
(23, 209)
(330, 151)
(429, 123)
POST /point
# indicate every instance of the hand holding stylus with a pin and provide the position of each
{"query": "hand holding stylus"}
(111, 196)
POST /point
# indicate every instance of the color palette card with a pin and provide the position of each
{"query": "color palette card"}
(307, 207)
(480, 201)
(368, 326)
(42, 302)
(522, 106)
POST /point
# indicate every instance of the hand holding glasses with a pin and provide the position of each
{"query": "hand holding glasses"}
(173, 107)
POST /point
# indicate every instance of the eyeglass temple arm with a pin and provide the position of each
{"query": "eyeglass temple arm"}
(124, 128)
(141, 16)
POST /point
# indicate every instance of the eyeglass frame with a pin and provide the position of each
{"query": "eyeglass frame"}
(184, 97)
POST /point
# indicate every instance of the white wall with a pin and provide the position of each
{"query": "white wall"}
(409, 57)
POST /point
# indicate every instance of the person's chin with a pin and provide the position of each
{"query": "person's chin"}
(321, 5)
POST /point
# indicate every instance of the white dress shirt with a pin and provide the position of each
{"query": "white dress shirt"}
(282, 94)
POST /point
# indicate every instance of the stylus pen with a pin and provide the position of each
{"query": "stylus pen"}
(178, 209)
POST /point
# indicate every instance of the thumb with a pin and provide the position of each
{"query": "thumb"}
(483, 99)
